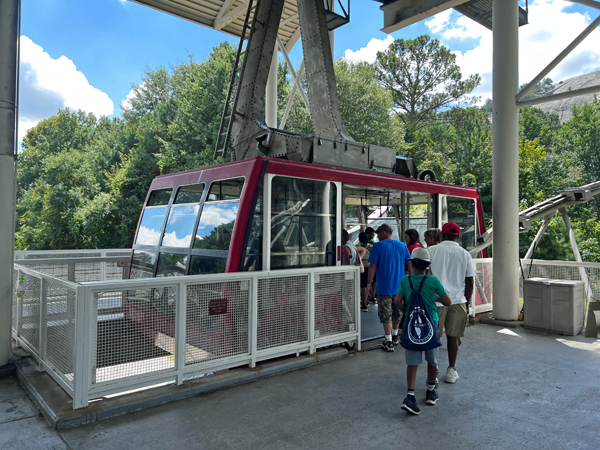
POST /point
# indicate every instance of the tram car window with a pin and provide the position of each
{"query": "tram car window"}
(303, 223)
(463, 212)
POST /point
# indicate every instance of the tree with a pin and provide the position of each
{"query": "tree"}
(423, 77)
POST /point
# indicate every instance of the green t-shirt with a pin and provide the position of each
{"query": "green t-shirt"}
(431, 287)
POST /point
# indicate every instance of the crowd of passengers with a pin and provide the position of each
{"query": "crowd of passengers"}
(441, 274)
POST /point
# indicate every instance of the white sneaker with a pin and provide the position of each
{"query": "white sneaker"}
(451, 375)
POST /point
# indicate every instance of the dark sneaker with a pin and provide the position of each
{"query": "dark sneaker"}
(431, 397)
(387, 346)
(410, 405)
(372, 300)
(364, 308)
(395, 340)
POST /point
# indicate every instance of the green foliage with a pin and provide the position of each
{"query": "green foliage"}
(423, 77)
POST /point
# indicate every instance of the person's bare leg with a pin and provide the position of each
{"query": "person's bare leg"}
(387, 329)
(411, 376)
(431, 374)
(395, 326)
(363, 296)
(452, 350)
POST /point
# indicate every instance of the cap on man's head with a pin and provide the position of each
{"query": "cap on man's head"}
(451, 228)
(384, 227)
(420, 254)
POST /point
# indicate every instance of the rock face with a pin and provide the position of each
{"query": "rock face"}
(563, 107)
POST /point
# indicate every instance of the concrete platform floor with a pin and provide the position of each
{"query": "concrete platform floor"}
(517, 389)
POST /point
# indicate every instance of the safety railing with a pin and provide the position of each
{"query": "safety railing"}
(61, 254)
(107, 337)
(557, 270)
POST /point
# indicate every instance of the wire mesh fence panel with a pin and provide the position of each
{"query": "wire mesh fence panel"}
(570, 271)
(15, 302)
(113, 271)
(282, 311)
(29, 311)
(88, 271)
(55, 255)
(57, 270)
(216, 320)
(137, 338)
(335, 309)
(119, 253)
(59, 329)
(483, 285)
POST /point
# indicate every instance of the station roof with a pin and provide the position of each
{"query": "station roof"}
(227, 15)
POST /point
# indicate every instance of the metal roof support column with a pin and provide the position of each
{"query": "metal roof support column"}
(271, 93)
(505, 159)
(9, 26)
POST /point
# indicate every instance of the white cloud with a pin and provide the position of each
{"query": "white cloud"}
(552, 26)
(369, 53)
(47, 84)
(126, 104)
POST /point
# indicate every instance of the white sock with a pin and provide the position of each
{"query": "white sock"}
(430, 387)
(388, 337)
(395, 332)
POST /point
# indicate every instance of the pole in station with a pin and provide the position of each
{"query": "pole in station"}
(505, 159)
(9, 26)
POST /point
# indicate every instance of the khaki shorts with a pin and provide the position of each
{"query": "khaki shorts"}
(387, 310)
(453, 319)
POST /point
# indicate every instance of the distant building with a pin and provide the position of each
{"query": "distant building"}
(563, 107)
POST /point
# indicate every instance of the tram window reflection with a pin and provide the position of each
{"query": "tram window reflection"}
(207, 264)
(216, 226)
(171, 265)
(151, 225)
(461, 211)
(225, 190)
(142, 264)
(254, 245)
(180, 226)
(303, 232)
(160, 197)
(189, 194)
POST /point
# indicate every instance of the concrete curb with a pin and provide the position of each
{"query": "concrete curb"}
(57, 406)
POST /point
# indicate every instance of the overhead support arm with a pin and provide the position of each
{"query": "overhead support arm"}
(286, 56)
(590, 3)
(562, 95)
(288, 106)
(222, 19)
(591, 27)
(402, 13)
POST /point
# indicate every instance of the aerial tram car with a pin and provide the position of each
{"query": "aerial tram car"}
(284, 199)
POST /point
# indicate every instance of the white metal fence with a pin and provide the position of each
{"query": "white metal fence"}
(557, 270)
(105, 337)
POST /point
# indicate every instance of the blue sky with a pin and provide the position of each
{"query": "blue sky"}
(86, 54)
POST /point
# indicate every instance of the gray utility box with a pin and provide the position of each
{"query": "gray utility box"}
(554, 305)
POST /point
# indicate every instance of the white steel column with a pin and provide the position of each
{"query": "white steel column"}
(505, 159)
(271, 93)
(9, 25)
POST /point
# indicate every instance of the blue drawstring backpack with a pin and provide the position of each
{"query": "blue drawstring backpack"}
(419, 332)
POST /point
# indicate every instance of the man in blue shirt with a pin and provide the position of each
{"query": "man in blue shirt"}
(389, 260)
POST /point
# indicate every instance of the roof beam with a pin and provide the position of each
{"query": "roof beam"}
(222, 20)
(402, 13)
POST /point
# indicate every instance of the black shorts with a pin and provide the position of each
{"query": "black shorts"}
(364, 278)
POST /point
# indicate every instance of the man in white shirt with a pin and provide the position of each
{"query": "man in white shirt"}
(454, 267)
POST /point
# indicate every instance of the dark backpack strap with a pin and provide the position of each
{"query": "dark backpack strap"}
(411, 285)
(422, 283)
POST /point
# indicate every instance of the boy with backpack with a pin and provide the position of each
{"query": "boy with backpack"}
(420, 334)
